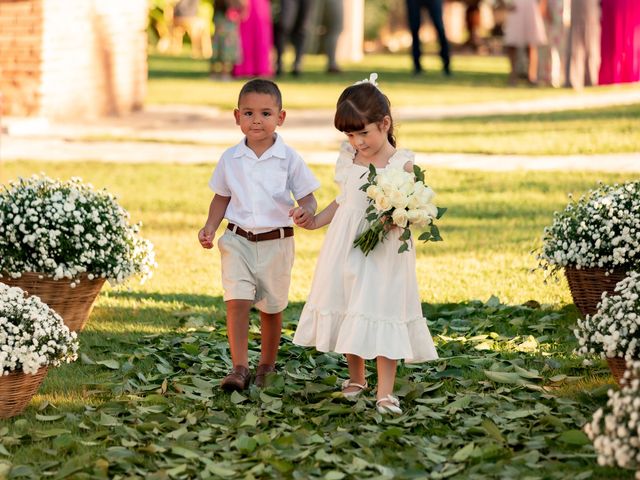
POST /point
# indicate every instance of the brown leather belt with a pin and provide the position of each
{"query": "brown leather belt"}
(282, 232)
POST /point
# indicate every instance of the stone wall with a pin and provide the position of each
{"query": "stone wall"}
(72, 58)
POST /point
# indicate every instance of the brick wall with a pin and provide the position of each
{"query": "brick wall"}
(20, 56)
(72, 58)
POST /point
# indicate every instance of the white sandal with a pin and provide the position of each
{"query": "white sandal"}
(349, 383)
(388, 404)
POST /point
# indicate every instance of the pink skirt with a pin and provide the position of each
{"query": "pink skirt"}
(523, 25)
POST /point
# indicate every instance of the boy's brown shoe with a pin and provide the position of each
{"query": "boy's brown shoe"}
(261, 374)
(237, 379)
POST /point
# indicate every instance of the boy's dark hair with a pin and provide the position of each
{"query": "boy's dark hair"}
(360, 105)
(261, 85)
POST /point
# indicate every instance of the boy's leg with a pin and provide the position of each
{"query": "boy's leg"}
(386, 376)
(238, 331)
(356, 372)
(270, 332)
(238, 335)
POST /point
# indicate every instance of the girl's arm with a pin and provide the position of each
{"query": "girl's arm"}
(324, 217)
(217, 210)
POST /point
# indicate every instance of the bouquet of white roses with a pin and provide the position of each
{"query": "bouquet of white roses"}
(32, 335)
(614, 330)
(398, 198)
(601, 229)
(66, 229)
(615, 429)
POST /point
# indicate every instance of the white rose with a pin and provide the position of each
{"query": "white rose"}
(398, 199)
(400, 217)
(385, 182)
(383, 203)
(373, 191)
(431, 210)
(417, 217)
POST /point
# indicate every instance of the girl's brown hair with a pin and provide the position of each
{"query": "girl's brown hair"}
(360, 105)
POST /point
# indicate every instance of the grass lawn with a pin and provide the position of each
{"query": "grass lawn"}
(573, 132)
(506, 400)
(476, 79)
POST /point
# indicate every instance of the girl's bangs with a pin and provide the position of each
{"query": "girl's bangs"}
(348, 118)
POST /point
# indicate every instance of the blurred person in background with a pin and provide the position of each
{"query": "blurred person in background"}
(256, 41)
(434, 7)
(292, 24)
(227, 50)
(334, 15)
(620, 44)
(583, 49)
(524, 28)
(551, 55)
(184, 18)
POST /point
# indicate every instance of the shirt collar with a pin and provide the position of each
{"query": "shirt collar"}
(276, 150)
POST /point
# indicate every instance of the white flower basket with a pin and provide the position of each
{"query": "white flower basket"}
(61, 241)
(596, 240)
(32, 338)
(614, 330)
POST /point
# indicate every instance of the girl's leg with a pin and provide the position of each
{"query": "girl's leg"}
(533, 64)
(238, 331)
(513, 76)
(386, 376)
(270, 331)
(226, 69)
(356, 372)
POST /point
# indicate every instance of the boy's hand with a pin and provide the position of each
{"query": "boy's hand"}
(302, 217)
(206, 236)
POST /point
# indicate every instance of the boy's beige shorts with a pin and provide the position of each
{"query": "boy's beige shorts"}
(258, 271)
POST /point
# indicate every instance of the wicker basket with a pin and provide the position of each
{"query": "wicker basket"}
(587, 285)
(617, 366)
(72, 304)
(16, 390)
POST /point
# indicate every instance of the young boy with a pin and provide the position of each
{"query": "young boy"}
(253, 184)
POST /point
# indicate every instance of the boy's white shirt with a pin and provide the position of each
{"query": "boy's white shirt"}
(261, 188)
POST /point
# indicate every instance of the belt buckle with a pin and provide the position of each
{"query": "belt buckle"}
(252, 237)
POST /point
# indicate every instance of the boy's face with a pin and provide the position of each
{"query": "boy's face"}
(258, 116)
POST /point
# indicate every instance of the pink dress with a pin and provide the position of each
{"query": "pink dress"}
(620, 42)
(256, 38)
(524, 26)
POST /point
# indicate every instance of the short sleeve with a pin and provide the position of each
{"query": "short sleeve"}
(302, 181)
(344, 163)
(218, 181)
(401, 158)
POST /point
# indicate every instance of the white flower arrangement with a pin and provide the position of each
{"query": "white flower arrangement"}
(615, 429)
(32, 335)
(398, 198)
(614, 330)
(66, 229)
(600, 230)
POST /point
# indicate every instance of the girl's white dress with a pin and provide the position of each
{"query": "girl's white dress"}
(368, 306)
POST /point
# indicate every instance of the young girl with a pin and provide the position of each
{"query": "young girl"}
(364, 306)
(226, 39)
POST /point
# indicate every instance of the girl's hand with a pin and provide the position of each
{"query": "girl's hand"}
(206, 236)
(302, 217)
(387, 223)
